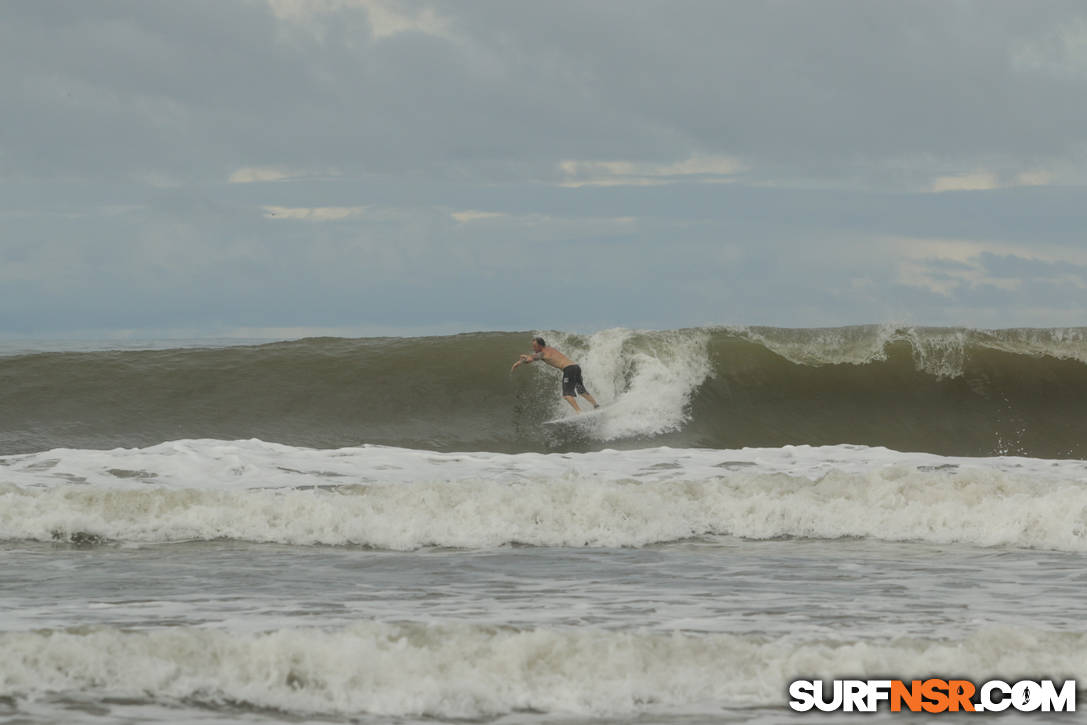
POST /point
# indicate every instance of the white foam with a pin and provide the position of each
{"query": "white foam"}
(1069, 343)
(821, 346)
(939, 351)
(405, 499)
(451, 670)
(646, 378)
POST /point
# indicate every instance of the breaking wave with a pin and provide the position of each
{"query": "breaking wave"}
(952, 391)
(403, 499)
(471, 671)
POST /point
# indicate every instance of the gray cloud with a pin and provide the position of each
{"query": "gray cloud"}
(125, 120)
(798, 90)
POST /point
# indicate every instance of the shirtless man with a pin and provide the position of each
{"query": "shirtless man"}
(571, 373)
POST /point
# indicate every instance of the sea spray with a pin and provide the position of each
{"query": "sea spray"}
(646, 383)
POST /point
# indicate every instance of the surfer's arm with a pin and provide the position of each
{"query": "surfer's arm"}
(525, 359)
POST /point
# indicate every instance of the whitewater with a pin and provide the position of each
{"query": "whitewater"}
(382, 530)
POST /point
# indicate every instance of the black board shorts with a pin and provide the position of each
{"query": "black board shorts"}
(572, 382)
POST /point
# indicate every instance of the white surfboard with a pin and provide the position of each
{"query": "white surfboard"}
(583, 417)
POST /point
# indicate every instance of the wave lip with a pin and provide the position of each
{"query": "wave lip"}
(453, 670)
(939, 351)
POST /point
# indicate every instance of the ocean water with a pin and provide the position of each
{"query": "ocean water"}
(383, 530)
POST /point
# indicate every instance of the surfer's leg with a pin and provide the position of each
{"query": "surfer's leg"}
(570, 378)
(579, 387)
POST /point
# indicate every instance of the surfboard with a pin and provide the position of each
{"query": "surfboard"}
(583, 416)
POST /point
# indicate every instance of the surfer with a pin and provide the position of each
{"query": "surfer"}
(572, 383)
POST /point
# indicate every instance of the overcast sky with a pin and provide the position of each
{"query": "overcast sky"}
(290, 167)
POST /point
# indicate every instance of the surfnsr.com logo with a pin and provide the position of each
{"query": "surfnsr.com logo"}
(932, 695)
